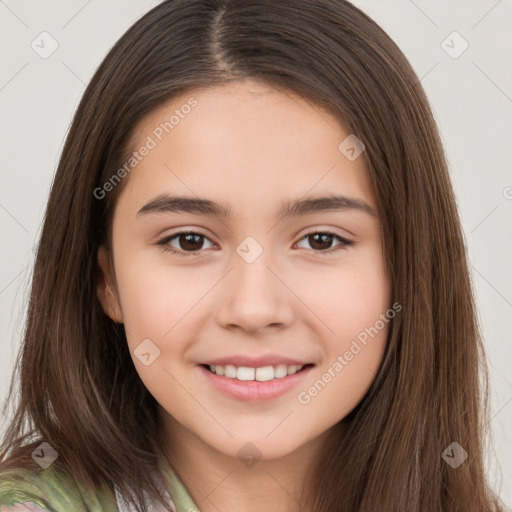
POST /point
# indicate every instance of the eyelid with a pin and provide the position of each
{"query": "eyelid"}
(163, 242)
(345, 242)
(327, 231)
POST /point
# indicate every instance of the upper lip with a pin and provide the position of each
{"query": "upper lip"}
(255, 361)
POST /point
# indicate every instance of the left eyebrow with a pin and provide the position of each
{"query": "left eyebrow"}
(199, 206)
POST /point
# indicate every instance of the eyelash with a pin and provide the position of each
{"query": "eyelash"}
(163, 243)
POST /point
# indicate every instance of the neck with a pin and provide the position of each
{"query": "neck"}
(219, 482)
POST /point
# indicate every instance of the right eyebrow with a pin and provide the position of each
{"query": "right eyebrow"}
(181, 204)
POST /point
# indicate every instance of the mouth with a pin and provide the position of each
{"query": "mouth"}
(260, 374)
(254, 384)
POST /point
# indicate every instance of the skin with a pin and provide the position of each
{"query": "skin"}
(250, 146)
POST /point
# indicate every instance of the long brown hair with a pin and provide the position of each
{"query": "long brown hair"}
(431, 389)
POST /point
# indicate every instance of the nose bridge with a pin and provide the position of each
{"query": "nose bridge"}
(252, 278)
(255, 297)
(253, 274)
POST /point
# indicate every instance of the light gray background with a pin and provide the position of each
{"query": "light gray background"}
(471, 96)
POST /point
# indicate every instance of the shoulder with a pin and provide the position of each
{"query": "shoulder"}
(50, 489)
(20, 507)
(39, 489)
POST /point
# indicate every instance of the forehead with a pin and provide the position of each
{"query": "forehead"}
(244, 141)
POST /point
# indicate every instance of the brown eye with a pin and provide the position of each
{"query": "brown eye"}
(187, 242)
(321, 241)
(190, 242)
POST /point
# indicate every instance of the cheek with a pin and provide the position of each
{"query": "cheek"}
(353, 356)
(347, 298)
(155, 298)
(156, 303)
(352, 306)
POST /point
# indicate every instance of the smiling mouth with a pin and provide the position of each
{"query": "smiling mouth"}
(261, 374)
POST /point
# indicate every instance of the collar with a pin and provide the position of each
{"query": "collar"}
(171, 485)
(182, 499)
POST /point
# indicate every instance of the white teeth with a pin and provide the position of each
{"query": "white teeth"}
(262, 374)
(293, 369)
(229, 371)
(265, 373)
(281, 370)
(244, 373)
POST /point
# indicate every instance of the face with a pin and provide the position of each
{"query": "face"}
(226, 253)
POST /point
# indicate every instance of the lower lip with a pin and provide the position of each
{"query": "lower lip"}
(253, 390)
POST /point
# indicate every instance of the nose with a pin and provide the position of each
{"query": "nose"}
(255, 297)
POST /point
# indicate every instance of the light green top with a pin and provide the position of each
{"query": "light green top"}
(53, 490)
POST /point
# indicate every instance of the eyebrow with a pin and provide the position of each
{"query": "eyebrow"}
(194, 205)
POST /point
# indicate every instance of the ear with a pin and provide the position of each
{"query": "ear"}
(107, 292)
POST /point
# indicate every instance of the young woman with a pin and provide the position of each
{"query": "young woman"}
(251, 289)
